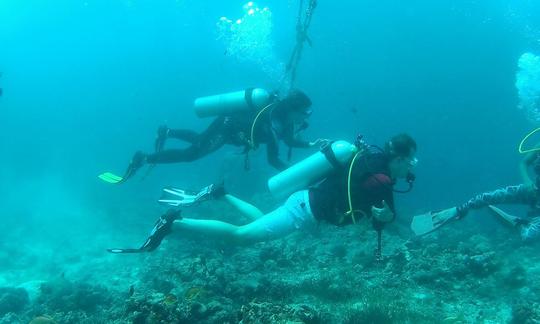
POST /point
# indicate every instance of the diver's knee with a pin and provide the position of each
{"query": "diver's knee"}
(245, 235)
(240, 235)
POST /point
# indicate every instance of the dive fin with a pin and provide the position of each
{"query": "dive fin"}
(162, 228)
(177, 197)
(110, 177)
(137, 161)
(120, 251)
(510, 219)
(433, 220)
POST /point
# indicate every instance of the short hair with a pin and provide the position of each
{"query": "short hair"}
(401, 145)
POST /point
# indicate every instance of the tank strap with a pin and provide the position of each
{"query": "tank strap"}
(248, 97)
(330, 155)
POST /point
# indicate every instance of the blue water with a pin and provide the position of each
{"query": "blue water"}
(87, 83)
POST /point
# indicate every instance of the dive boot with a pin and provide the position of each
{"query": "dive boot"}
(137, 161)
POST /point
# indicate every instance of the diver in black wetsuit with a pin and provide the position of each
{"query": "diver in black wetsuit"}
(282, 122)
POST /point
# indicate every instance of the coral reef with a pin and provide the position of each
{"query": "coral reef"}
(331, 276)
(12, 299)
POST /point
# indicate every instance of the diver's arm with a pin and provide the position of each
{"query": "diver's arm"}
(293, 140)
(272, 153)
(521, 194)
(386, 213)
(297, 142)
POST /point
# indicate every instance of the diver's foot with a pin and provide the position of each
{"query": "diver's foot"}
(137, 161)
(162, 134)
(161, 229)
(213, 191)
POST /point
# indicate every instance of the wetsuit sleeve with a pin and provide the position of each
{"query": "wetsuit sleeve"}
(520, 194)
(379, 187)
(293, 140)
(272, 152)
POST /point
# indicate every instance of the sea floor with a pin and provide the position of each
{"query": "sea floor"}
(462, 274)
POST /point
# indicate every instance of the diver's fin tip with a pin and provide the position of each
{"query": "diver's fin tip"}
(110, 178)
(431, 221)
(510, 219)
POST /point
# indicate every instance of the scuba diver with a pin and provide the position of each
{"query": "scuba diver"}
(361, 186)
(527, 194)
(280, 119)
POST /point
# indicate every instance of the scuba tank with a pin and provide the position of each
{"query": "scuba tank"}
(312, 169)
(232, 102)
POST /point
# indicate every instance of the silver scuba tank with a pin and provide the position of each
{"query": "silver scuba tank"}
(232, 102)
(311, 169)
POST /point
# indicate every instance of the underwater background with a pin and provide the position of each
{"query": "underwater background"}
(87, 83)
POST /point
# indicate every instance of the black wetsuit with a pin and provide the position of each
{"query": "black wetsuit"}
(370, 185)
(232, 130)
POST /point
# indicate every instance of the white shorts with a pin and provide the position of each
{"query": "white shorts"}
(294, 214)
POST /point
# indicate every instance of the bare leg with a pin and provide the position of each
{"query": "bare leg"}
(244, 207)
(250, 233)
(293, 215)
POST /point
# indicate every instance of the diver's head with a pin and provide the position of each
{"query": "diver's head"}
(297, 100)
(295, 107)
(401, 151)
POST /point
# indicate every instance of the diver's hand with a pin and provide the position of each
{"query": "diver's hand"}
(383, 214)
(319, 142)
